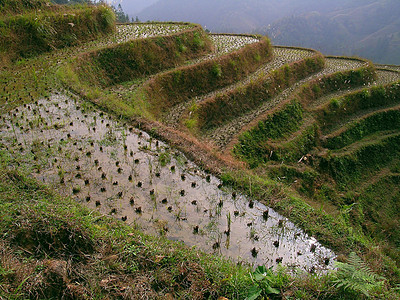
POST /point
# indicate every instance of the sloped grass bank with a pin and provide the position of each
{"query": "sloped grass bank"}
(40, 31)
(370, 124)
(337, 81)
(141, 57)
(219, 109)
(90, 74)
(182, 84)
(382, 210)
(350, 104)
(255, 145)
(53, 248)
(18, 6)
(365, 157)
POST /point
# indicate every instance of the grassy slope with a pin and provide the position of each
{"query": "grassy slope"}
(332, 179)
(36, 30)
(174, 87)
(221, 108)
(90, 73)
(52, 247)
(101, 263)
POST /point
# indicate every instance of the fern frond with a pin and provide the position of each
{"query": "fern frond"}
(357, 276)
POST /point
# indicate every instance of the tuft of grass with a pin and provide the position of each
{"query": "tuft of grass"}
(40, 31)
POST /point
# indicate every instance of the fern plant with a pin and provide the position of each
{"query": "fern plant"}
(356, 276)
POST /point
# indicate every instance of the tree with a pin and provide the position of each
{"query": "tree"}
(121, 17)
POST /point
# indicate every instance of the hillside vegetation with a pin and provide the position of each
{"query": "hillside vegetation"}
(44, 27)
(314, 137)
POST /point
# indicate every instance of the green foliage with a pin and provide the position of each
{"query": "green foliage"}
(198, 41)
(216, 70)
(355, 102)
(381, 121)
(337, 81)
(120, 16)
(381, 211)
(198, 79)
(263, 279)
(221, 108)
(18, 6)
(140, 57)
(364, 158)
(253, 147)
(334, 103)
(299, 146)
(36, 32)
(356, 276)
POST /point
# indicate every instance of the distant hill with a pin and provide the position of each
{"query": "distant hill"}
(368, 28)
(371, 30)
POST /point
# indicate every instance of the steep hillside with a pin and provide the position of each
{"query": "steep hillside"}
(269, 155)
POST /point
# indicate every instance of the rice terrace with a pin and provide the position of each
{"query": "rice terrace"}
(160, 161)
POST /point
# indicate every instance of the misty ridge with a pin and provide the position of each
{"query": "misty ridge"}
(365, 28)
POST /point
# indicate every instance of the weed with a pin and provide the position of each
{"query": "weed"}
(262, 279)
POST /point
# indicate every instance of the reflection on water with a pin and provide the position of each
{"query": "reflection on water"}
(84, 153)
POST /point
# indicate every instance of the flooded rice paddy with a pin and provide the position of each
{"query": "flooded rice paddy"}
(121, 171)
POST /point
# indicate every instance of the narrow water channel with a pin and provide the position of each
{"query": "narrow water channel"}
(121, 171)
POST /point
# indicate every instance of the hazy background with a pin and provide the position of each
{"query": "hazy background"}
(366, 28)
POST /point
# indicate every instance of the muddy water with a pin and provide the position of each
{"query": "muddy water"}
(121, 171)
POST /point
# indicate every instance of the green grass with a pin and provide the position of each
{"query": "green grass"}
(355, 131)
(221, 108)
(376, 97)
(79, 253)
(344, 198)
(36, 32)
(253, 147)
(93, 74)
(177, 86)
